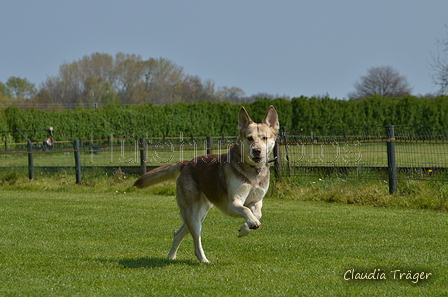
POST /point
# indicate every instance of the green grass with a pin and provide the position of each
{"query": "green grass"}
(348, 189)
(105, 238)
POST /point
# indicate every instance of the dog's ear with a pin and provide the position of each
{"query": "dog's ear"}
(271, 118)
(244, 119)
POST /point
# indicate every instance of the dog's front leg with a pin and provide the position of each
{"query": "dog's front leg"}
(238, 208)
(256, 210)
(252, 221)
(238, 195)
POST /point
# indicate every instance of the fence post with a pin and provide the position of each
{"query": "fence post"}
(77, 161)
(285, 140)
(391, 161)
(30, 160)
(277, 162)
(143, 154)
(209, 145)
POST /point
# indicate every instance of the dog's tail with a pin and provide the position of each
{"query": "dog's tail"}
(161, 174)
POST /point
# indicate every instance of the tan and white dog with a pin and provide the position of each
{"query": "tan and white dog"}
(235, 182)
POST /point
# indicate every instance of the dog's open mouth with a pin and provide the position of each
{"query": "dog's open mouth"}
(257, 159)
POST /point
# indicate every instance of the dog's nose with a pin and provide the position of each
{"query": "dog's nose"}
(256, 151)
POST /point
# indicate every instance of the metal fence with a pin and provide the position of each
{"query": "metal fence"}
(131, 155)
(386, 152)
(368, 152)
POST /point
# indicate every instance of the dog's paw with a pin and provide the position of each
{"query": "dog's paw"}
(244, 230)
(254, 225)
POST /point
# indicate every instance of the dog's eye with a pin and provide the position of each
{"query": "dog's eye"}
(265, 138)
(250, 138)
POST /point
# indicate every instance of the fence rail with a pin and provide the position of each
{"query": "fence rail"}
(413, 152)
(388, 151)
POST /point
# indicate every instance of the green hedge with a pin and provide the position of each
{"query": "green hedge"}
(202, 119)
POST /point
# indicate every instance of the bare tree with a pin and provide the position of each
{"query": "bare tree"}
(384, 81)
(130, 73)
(439, 66)
(104, 79)
(233, 94)
(164, 80)
(262, 95)
(98, 78)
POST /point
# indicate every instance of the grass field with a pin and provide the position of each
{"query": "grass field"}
(59, 239)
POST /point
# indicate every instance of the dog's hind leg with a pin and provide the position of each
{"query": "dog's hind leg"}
(193, 220)
(178, 237)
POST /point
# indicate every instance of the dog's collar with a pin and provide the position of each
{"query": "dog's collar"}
(259, 169)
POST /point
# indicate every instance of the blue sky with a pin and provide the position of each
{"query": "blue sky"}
(289, 48)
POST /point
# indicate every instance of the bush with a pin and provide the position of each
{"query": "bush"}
(216, 119)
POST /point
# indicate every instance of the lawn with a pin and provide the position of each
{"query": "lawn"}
(84, 242)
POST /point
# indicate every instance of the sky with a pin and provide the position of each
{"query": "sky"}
(293, 48)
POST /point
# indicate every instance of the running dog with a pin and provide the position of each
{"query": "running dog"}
(235, 182)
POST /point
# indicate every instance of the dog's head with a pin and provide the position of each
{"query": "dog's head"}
(257, 140)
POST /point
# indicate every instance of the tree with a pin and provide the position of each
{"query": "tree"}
(130, 73)
(5, 95)
(4, 90)
(20, 87)
(104, 79)
(53, 91)
(439, 66)
(98, 78)
(164, 80)
(98, 92)
(384, 81)
(193, 89)
(233, 94)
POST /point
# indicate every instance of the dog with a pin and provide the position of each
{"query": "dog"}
(235, 182)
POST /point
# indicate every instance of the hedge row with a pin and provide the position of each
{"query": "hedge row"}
(202, 119)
